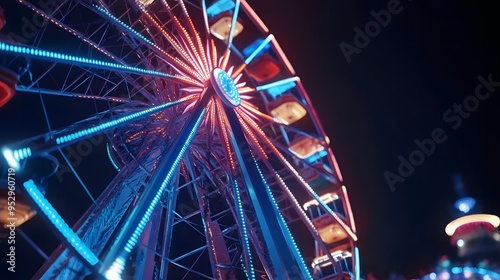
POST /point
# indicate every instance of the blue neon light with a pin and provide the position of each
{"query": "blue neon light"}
(75, 59)
(259, 49)
(229, 87)
(108, 149)
(9, 157)
(239, 208)
(219, 7)
(253, 46)
(114, 272)
(114, 123)
(21, 154)
(358, 266)
(277, 83)
(233, 22)
(122, 24)
(14, 157)
(126, 26)
(140, 227)
(294, 248)
(59, 223)
(456, 270)
(280, 89)
(465, 204)
(317, 156)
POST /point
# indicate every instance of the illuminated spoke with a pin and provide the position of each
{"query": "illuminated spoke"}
(257, 50)
(251, 110)
(243, 231)
(54, 140)
(59, 224)
(213, 50)
(253, 55)
(67, 28)
(205, 16)
(233, 24)
(196, 35)
(287, 83)
(192, 49)
(238, 201)
(182, 51)
(180, 66)
(159, 183)
(82, 61)
(225, 59)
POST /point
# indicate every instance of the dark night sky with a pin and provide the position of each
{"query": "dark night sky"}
(394, 91)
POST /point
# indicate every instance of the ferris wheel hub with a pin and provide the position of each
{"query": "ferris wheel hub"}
(225, 87)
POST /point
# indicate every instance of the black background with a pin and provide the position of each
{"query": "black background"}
(393, 92)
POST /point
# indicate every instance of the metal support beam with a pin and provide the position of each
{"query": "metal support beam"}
(285, 260)
(114, 262)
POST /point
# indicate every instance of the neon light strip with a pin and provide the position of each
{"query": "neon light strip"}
(326, 198)
(306, 219)
(64, 58)
(174, 62)
(117, 267)
(233, 23)
(205, 16)
(357, 269)
(135, 236)
(278, 90)
(122, 24)
(112, 124)
(338, 255)
(108, 149)
(284, 226)
(66, 28)
(114, 272)
(349, 209)
(13, 157)
(259, 48)
(59, 223)
(172, 41)
(277, 83)
(190, 47)
(241, 216)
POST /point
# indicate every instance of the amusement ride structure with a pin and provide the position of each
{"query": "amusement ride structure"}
(222, 167)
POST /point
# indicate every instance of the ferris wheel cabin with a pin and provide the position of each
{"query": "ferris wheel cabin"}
(333, 235)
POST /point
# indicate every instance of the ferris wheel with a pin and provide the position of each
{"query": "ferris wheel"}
(215, 164)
